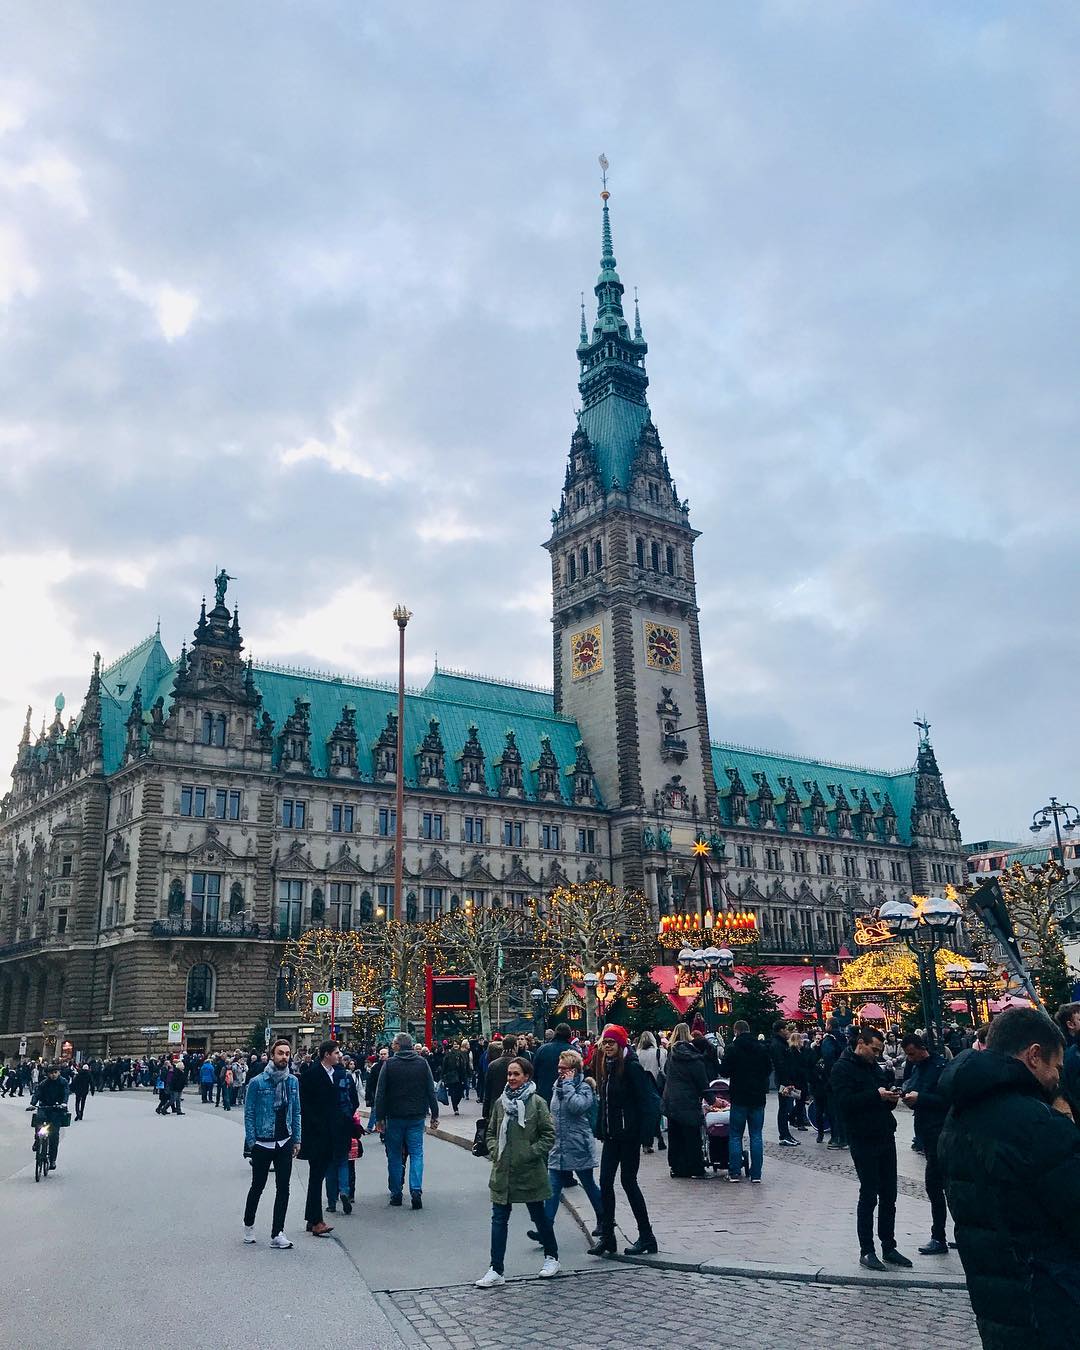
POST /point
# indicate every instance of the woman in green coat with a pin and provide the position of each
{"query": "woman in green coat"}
(520, 1135)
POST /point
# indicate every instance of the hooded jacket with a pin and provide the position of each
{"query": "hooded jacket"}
(1012, 1179)
(573, 1104)
(687, 1082)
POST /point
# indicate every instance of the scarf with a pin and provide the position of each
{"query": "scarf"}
(277, 1078)
(513, 1102)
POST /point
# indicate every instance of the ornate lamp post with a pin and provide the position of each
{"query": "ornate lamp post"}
(710, 960)
(1065, 817)
(926, 927)
(401, 618)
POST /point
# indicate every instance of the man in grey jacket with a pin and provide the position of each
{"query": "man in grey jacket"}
(404, 1096)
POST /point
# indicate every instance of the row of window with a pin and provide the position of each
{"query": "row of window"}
(803, 925)
(218, 802)
(579, 563)
(299, 903)
(943, 873)
(746, 856)
(654, 557)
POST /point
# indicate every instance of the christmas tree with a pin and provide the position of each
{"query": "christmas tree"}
(647, 1009)
(755, 1001)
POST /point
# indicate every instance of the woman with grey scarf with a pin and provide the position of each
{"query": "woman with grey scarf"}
(520, 1135)
(271, 1139)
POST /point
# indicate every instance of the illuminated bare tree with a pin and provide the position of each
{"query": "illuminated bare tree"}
(491, 944)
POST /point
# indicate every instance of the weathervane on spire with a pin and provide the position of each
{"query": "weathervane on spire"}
(604, 166)
(924, 727)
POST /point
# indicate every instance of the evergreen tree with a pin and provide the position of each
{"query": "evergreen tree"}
(756, 1001)
(257, 1041)
(650, 1009)
(1052, 976)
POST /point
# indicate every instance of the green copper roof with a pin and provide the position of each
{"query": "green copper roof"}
(854, 781)
(465, 688)
(613, 426)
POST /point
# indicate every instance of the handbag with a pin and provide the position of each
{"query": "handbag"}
(479, 1145)
(441, 1093)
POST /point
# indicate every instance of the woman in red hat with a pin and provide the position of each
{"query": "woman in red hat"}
(627, 1118)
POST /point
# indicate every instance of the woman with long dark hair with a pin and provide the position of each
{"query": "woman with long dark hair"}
(628, 1111)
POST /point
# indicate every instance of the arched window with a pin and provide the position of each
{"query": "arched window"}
(200, 988)
(598, 555)
(572, 567)
(639, 552)
(655, 556)
(585, 561)
(670, 561)
(206, 729)
(219, 728)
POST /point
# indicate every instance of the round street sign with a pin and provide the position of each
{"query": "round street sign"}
(321, 1002)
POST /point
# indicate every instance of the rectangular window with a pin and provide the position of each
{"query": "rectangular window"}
(433, 902)
(387, 821)
(61, 922)
(772, 859)
(935, 872)
(745, 855)
(950, 872)
(384, 900)
(824, 864)
(205, 901)
(805, 919)
(586, 841)
(293, 813)
(513, 833)
(851, 867)
(799, 861)
(474, 899)
(550, 836)
(226, 805)
(192, 801)
(126, 805)
(341, 818)
(474, 829)
(518, 899)
(341, 904)
(639, 552)
(66, 864)
(431, 825)
(290, 908)
(116, 901)
(873, 869)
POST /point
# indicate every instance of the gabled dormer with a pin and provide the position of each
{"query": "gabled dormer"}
(384, 751)
(509, 765)
(471, 762)
(341, 745)
(546, 769)
(432, 757)
(294, 753)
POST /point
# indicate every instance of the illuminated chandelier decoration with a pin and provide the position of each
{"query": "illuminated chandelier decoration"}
(732, 928)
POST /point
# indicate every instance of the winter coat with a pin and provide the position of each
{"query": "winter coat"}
(326, 1133)
(706, 1052)
(455, 1068)
(495, 1081)
(572, 1105)
(687, 1082)
(406, 1089)
(1012, 1178)
(521, 1171)
(784, 1062)
(854, 1085)
(654, 1062)
(746, 1065)
(546, 1066)
(373, 1082)
(259, 1115)
(931, 1107)
(628, 1104)
(206, 1073)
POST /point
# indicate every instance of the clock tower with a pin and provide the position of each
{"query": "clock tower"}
(627, 651)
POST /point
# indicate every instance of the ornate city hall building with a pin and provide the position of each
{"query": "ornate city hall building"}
(157, 849)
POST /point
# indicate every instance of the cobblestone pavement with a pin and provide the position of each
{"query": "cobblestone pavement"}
(802, 1218)
(646, 1309)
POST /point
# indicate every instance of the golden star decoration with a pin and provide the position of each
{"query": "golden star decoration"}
(701, 849)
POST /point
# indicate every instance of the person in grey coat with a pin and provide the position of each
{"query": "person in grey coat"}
(573, 1107)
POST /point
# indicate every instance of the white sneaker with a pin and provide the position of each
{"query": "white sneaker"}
(249, 1234)
(549, 1268)
(281, 1242)
(491, 1279)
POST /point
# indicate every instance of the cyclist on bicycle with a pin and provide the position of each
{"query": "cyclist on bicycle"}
(49, 1099)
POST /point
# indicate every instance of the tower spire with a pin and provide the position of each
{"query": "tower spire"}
(637, 319)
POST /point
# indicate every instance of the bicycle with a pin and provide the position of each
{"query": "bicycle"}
(41, 1150)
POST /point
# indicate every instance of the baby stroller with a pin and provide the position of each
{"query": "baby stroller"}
(716, 1123)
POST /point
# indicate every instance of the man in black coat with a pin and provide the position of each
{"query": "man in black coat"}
(920, 1092)
(546, 1061)
(863, 1096)
(786, 1071)
(746, 1065)
(1010, 1152)
(322, 1128)
(81, 1088)
(833, 1045)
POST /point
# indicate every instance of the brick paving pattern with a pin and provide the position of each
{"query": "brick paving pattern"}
(648, 1309)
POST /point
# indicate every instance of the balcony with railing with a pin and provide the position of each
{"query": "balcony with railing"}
(196, 927)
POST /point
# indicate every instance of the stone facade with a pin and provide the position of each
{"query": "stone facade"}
(157, 850)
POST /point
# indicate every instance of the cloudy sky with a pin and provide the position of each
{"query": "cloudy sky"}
(293, 288)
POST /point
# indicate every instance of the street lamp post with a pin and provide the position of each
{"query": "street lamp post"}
(401, 617)
(926, 929)
(1062, 814)
(590, 981)
(710, 960)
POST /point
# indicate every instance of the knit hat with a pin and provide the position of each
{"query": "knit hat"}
(616, 1033)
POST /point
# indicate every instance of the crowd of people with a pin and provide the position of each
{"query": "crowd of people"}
(995, 1115)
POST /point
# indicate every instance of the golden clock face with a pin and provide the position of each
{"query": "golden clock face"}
(662, 650)
(586, 652)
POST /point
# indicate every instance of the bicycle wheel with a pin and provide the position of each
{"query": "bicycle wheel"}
(37, 1163)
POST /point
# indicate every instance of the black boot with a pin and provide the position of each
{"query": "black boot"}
(604, 1246)
(644, 1246)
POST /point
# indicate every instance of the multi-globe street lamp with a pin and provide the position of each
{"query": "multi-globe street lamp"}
(1065, 817)
(711, 961)
(542, 1001)
(926, 928)
(972, 980)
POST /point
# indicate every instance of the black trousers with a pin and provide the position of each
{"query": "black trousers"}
(80, 1104)
(785, 1109)
(262, 1159)
(313, 1212)
(622, 1156)
(935, 1190)
(686, 1157)
(875, 1164)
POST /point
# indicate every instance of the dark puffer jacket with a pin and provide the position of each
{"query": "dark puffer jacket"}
(687, 1082)
(1012, 1178)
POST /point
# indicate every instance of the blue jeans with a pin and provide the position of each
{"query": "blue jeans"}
(741, 1117)
(500, 1222)
(559, 1180)
(407, 1131)
(337, 1181)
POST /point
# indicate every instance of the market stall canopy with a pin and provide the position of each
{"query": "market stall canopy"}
(872, 1012)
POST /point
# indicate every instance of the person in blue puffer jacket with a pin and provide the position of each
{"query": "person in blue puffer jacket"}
(573, 1111)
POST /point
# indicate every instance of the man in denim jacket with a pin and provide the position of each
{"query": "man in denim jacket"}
(271, 1139)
